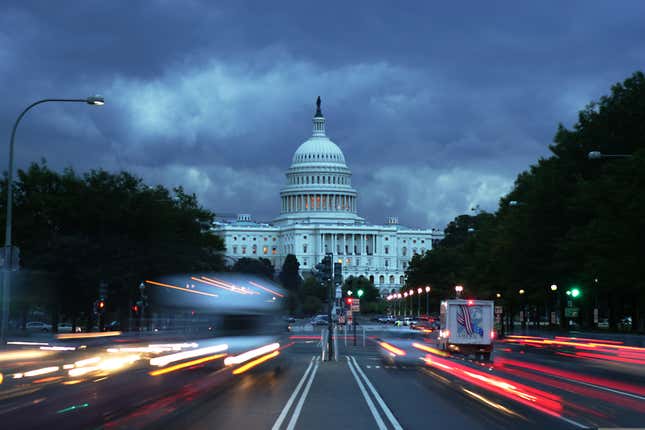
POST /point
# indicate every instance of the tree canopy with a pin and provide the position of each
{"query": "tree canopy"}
(569, 220)
(78, 230)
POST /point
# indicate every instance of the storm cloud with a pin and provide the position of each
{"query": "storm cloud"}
(437, 107)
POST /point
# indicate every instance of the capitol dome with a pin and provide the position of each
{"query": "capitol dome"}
(318, 185)
(318, 150)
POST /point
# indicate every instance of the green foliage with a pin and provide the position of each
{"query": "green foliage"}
(77, 230)
(577, 221)
(255, 266)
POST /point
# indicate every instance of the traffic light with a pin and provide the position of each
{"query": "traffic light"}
(360, 293)
(349, 292)
(338, 273)
(349, 301)
(101, 305)
(135, 308)
(324, 269)
(575, 292)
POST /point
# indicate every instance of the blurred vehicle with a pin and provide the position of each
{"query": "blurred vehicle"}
(403, 348)
(116, 326)
(603, 323)
(625, 323)
(38, 326)
(290, 320)
(409, 321)
(67, 328)
(319, 320)
(467, 327)
(424, 326)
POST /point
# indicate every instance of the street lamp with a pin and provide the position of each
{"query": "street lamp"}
(597, 155)
(498, 295)
(459, 289)
(521, 291)
(6, 284)
(405, 303)
(554, 287)
(419, 291)
(427, 300)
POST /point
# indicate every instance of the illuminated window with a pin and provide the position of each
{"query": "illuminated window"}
(255, 249)
(348, 261)
(274, 251)
(265, 250)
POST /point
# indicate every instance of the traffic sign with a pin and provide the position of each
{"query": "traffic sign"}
(571, 312)
(356, 305)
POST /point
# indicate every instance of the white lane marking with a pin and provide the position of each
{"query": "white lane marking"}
(303, 397)
(378, 367)
(572, 422)
(379, 399)
(286, 408)
(368, 366)
(368, 400)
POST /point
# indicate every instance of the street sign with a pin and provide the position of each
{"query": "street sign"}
(356, 305)
(498, 310)
(571, 312)
(595, 315)
(339, 292)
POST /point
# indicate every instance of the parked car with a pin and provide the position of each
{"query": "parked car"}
(67, 328)
(409, 321)
(39, 326)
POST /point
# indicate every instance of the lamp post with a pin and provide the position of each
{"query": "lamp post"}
(410, 294)
(523, 311)
(405, 303)
(554, 289)
(427, 301)
(458, 290)
(419, 291)
(6, 284)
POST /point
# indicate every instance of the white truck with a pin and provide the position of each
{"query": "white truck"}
(467, 327)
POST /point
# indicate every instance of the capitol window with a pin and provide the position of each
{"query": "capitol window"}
(387, 249)
(234, 237)
(235, 250)
(381, 279)
(255, 249)
(391, 279)
(387, 263)
(274, 251)
(244, 250)
(404, 250)
(304, 248)
(265, 239)
(265, 250)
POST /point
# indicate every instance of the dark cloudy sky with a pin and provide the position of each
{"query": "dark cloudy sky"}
(437, 107)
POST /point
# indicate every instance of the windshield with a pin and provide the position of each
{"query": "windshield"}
(306, 215)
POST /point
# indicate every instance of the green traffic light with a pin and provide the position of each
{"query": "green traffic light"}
(575, 292)
(360, 293)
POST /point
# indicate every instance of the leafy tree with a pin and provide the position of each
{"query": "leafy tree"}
(256, 266)
(80, 230)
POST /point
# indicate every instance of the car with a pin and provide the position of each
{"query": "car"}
(67, 328)
(39, 326)
(320, 320)
(409, 321)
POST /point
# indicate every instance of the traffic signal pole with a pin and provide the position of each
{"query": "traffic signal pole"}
(329, 267)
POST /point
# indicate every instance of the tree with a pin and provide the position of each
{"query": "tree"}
(255, 266)
(80, 230)
(291, 281)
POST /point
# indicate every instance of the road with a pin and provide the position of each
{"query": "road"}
(534, 383)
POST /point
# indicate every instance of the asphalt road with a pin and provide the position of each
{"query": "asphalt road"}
(530, 385)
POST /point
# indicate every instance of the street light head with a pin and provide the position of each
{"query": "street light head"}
(405, 294)
(427, 289)
(521, 291)
(498, 295)
(513, 203)
(95, 100)
(594, 155)
(411, 292)
(419, 290)
(554, 287)
(459, 288)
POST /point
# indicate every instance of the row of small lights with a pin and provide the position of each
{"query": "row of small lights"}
(408, 293)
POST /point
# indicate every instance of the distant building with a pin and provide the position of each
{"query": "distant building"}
(319, 215)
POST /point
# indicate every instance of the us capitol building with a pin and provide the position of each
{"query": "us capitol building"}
(319, 215)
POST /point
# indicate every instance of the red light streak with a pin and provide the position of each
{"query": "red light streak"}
(613, 342)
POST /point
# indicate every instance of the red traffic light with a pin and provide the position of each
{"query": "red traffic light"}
(135, 308)
(349, 300)
(101, 304)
